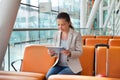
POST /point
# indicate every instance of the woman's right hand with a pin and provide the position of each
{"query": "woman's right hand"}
(51, 52)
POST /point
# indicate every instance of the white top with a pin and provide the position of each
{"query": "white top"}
(63, 58)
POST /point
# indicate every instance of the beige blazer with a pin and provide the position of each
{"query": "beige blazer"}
(74, 46)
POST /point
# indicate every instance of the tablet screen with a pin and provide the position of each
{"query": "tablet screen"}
(56, 49)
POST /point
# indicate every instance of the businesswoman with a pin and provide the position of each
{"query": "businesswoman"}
(68, 59)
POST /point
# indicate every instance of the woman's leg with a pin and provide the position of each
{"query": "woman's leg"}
(54, 70)
(67, 70)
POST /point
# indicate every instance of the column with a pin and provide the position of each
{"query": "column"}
(8, 12)
(92, 14)
(101, 14)
(82, 13)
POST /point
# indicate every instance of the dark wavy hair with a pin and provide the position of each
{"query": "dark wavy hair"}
(64, 15)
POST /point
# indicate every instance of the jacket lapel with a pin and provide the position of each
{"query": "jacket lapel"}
(70, 38)
(58, 38)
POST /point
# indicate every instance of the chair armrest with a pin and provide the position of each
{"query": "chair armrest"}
(12, 64)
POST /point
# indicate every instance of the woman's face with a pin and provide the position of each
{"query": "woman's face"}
(63, 25)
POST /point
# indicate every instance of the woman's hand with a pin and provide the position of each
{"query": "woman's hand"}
(66, 52)
(51, 52)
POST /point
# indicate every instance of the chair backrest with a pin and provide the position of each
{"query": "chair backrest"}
(116, 37)
(100, 61)
(114, 62)
(85, 37)
(87, 60)
(36, 59)
(105, 37)
(94, 41)
(88, 36)
(108, 63)
(114, 42)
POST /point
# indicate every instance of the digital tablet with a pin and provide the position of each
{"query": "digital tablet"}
(55, 48)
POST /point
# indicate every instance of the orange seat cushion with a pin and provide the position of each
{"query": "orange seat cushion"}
(78, 77)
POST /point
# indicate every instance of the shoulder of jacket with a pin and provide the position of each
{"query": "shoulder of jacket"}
(76, 33)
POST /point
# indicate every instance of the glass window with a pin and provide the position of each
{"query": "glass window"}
(34, 2)
(43, 1)
(30, 2)
(45, 20)
(43, 24)
(74, 10)
(29, 19)
(105, 3)
(54, 5)
(105, 13)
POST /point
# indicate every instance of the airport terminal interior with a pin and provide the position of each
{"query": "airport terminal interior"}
(33, 22)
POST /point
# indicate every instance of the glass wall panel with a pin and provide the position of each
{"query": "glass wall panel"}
(72, 7)
(45, 20)
(40, 26)
(30, 2)
(53, 19)
(105, 12)
(105, 3)
(54, 4)
(46, 37)
(44, 1)
(34, 2)
(29, 19)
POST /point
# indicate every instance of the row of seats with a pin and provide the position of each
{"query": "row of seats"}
(86, 39)
(106, 64)
(94, 41)
(37, 62)
(106, 37)
(55, 77)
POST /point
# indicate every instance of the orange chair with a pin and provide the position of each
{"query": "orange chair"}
(114, 42)
(85, 37)
(78, 77)
(114, 62)
(36, 59)
(108, 63)
(6, 77)
(105, 37)
(116, 37)
(94, 41)
(36, 62)
(100, 61)
(87, 60)
(38, 76)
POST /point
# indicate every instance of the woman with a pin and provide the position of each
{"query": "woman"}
(68, 60)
